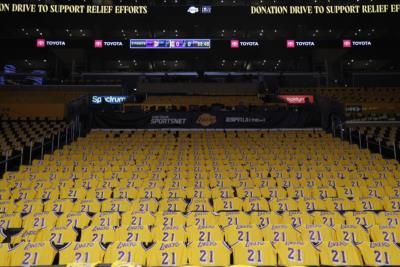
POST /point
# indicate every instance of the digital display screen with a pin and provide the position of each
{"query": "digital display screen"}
(169, 43)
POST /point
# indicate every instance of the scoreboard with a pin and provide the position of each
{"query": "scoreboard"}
(169, 43)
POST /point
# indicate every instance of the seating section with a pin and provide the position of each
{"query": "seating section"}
(41, 103)
(16, 134)
(387, 135)
(360, 103)
(203, 199)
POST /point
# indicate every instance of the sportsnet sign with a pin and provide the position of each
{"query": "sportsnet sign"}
(297, 99)
(167, 120)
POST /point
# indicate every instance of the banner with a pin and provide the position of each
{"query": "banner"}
(302, 117)
(324, 10)
(72, 9)
(332, 8)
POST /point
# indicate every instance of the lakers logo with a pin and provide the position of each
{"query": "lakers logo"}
(206, 120)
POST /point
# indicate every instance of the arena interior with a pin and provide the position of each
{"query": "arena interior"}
(199, 133)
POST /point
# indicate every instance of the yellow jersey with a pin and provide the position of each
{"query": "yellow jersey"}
(74, 193)
(233, 217)
(340, 254)
(351, 233)
(391, 203)
(128, 252)
(172, 204)
(236, 233)
(198, 192)
(169, 234)
(248, 192)
(317, 233)
(169, 219)
(363, 218)
(59, 205)
(339, 204)
(10, 220)
(211, 253)
(73, 219)
(265, 218)
(201, 218)
(125, 192)
(297, 254)
(368, 203)
(99, 193)
(259, 253)
(167, 254)
(281, 232)
(57, 235)
(87, 205)
(138, 218)
(106, 219)
(144, 204)
(385, 233)
(228, 204)
(283, 204)
(48, 193)
(311, 204)
(255, 204)
(28, 254)
(222, 192)
(39, 220)
(199, 205)
(174, 192)
(205, 233)
(115, 205)
(324, 192)
(134, 233)
(93, 233)
(29, 206)
(296, 218)
(329, 218)
(81, 252)
(380, 253)
(388, 218)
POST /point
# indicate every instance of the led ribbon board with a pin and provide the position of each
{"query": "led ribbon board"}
(169, 43)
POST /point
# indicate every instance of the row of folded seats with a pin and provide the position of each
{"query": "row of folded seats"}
(202, 226)
(207, 253)
(26, 206)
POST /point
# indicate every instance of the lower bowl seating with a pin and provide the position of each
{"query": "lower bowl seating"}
(294, 198)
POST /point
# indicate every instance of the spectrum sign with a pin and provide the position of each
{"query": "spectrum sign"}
(96, 99)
